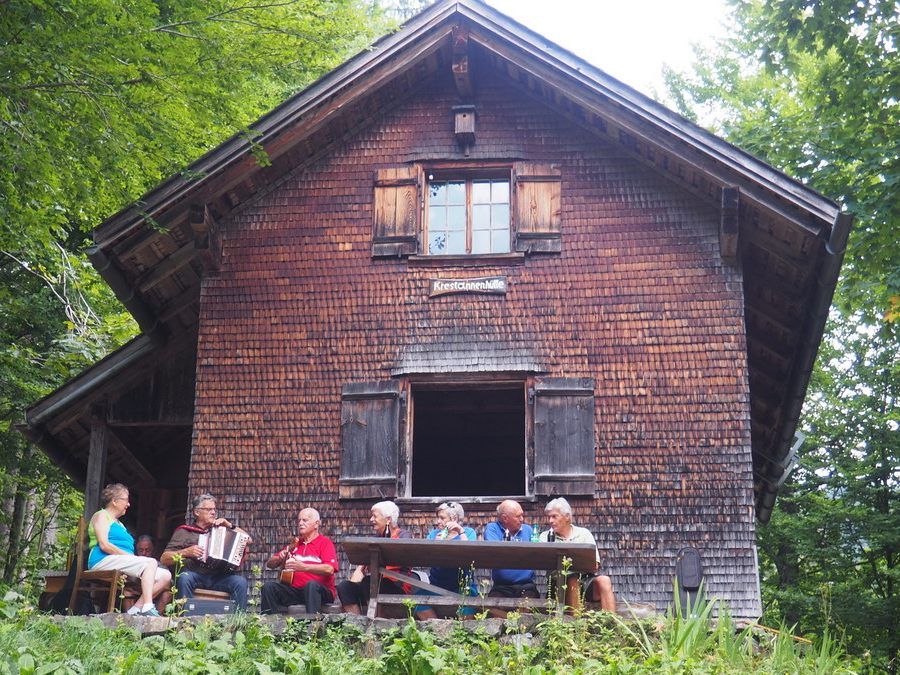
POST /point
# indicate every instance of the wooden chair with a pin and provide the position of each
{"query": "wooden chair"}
(92, 581)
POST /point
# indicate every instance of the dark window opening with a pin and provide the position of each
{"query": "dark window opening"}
(468, 442)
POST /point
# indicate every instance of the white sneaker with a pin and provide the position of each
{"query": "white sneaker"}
(134, 609)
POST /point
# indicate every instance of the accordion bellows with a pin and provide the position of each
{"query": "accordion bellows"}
(223, 545)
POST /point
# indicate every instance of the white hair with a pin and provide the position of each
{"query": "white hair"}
(559, 504)
(388, 510)
(454, 510)
(314, 513)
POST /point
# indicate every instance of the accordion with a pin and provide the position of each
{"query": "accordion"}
(223, 547)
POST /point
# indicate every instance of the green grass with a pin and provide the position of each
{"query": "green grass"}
(32, 643)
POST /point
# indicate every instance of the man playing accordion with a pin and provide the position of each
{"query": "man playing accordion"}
(211, 574)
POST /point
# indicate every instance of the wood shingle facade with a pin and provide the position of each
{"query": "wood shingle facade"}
(640, 342)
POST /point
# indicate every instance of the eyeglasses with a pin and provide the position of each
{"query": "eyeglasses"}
(206, 508)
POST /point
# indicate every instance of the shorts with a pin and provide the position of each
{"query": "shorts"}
(132, 565)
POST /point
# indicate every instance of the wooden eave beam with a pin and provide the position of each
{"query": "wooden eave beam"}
(74, 391)
(651, 132)
(207, 238)
(58, 454)
(729, 224)
(287, 124)
(143, 475)
(460, 50)
(155, 275)
(496, 33)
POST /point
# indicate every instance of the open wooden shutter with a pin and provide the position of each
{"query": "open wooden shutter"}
(564, 452)
(370, 439)
(538, 188)
(396, 226)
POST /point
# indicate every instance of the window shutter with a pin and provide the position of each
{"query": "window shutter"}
(538, 188)
(370, 439)
(396, 226)
(564, 452)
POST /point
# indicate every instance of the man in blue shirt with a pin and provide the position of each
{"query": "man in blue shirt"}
(510, 526)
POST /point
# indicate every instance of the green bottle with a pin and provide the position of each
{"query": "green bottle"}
(535, 534)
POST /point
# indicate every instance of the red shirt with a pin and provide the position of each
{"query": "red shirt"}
(319, 550)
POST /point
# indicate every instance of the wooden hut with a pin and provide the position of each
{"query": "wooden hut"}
(474, 267)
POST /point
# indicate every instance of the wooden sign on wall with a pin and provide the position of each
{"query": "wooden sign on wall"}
(480, 285)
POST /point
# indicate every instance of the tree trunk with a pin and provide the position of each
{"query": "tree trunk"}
(16, 527)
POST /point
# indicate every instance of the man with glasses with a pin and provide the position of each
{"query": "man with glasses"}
(195, 573)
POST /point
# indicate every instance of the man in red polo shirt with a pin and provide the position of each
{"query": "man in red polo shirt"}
(312, 563)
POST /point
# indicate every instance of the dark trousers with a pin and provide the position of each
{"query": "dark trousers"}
(233, 584)
(358, 592)
(276, 597)
(526, 590)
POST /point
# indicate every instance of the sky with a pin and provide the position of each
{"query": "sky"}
(628, 39)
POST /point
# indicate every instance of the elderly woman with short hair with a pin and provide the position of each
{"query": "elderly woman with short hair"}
(450, 519)
(355, 591)
(112, 548)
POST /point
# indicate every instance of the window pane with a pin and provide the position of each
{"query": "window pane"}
(481, 241)
(437, 218)
(438, 193)
(437, 243)
(456, 243)
(481, 192)
(481, 217)
(500, 191)
(500, 241)
(456, 193)
(456, 217)
(500, 215)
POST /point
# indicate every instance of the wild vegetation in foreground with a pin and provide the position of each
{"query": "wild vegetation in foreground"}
(34, 643)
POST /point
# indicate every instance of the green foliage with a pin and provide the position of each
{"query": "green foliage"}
(594, 643)
(99, 101)
(812, 87)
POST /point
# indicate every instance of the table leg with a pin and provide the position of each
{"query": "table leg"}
(374, 582)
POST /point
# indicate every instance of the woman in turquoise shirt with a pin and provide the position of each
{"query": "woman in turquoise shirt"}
(112, 548)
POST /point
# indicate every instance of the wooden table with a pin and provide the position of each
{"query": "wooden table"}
(379, 553)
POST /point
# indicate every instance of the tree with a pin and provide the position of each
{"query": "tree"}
(812, 88)
(99, 101)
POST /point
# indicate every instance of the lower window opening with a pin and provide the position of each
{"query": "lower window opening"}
(468, 442)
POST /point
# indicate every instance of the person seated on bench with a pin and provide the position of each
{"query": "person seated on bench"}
(112, 548)
(596, 587)
(510, 526)
(213, 575)
(355, 591)
(309, 565)
(450, 518)
(144, 546)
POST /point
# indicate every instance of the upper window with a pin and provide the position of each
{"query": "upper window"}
(468, 216)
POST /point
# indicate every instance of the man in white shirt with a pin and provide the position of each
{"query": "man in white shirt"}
(596, 587)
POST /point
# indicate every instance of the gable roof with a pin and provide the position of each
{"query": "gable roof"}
(152, 253)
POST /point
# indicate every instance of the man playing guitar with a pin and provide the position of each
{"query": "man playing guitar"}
(309, 565)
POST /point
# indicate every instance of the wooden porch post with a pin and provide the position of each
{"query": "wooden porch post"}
(96, 469)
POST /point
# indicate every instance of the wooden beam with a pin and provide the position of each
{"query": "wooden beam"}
(207, 239)
(142, 475)
(96, 469)
(180, 302)
(461, 74)
(167, 267)
(729, 224)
